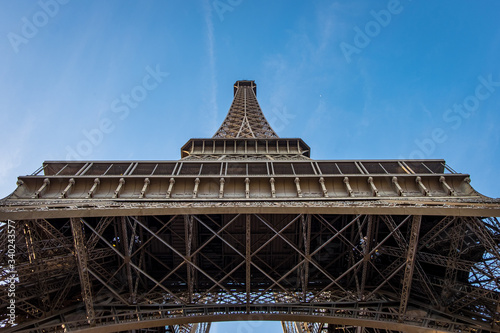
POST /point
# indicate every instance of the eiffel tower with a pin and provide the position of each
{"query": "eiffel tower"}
(246, 226)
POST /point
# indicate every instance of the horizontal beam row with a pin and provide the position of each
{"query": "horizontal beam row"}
(243, 168)
(252, 187)
(140, 317)
(435, 206)
(245, 146)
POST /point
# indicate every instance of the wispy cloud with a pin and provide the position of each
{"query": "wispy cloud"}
(211, 59)
(310, 51)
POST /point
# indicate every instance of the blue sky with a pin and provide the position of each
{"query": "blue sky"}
(364, 79)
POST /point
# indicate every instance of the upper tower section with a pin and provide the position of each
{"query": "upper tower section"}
(245, 134)
(245, 118)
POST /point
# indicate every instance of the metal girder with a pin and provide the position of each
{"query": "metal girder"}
(402, 243)
(37, 264)
(81, 256)
(101, 226)
(312, 240)
(248, 260)
(338, 314)
(43, 261)
(191, 328)
(18, 210)
(188, 226)
(477, 226)
(410, 264)
(278, 234)
(288, 327)
(68, 283)
(184, 261)
(456, 235)
(138, 269)
(367, 240)
(427, 240)
(304, 269)
(126, 252)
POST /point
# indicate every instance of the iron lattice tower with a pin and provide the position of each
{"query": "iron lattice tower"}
(245, 118)
(246, 226)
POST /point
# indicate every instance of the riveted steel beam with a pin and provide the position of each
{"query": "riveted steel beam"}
(410, 264)
(81, 255)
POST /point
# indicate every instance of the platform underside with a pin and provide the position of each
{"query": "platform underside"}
(467, 206)
(400, 272)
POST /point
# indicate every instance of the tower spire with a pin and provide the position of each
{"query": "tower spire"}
(245, 118)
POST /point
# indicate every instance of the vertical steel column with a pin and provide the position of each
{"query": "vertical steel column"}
(306, 231)
(287, 327)
(194, 328)
(38, 270)
(366, 252)
(300, 327)
(248, 259)
(126, 253)
(188, 232)
(81, 256)
(142, 260)
(410, 263)
(457, 232)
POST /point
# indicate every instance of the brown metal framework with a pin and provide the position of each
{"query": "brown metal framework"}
(245, 119)
(252, 229)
